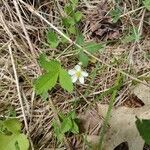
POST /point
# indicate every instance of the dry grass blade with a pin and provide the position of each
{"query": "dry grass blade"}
(19, 94)
(25, 32)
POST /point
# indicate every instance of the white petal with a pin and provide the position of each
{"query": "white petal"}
(78, 68)
(84, 73)
(72, 72)
(81, 79)
(74, 78)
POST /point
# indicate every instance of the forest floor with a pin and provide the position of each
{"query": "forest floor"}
(122, 28)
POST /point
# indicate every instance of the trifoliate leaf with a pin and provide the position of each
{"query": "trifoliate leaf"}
(65, 80)
(15, 140)
(143, 127)
(52, 39)
(49, 66)
(93, 47)
(69, 124)
(83, 58)
(46, 82)
(147, 4)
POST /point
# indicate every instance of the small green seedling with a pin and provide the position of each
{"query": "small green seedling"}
(53, 72)
(73, 16)
(11, 137)
(67, 125)
(52, 39)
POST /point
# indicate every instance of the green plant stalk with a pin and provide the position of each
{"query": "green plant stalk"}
(104, 127)
(93, 75)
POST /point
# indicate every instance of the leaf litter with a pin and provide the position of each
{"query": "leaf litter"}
(122, 127)
(101, 23)
(40, 115)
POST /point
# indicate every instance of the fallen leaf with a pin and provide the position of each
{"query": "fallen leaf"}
(101, 23)
(90, 122)
(122, 127)
(143, 93)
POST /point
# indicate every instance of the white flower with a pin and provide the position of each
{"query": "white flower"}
(77, 73)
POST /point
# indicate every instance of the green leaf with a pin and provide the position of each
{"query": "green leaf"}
(115, 14)
(13, 125)
(45, 82)
(44, 95)
(75, 128)
(15, 139)
(57, 131)
(74, 3)
(80, 39)
(78, 15)
(61, 115)
(68, 21)
(68, 9)
(52, 39)
(72, 29)
(66, 125)
(64, 40)
(147, 4)
(143, 127)
(65, 80)
(93, 47)
(83, 58)
(72, 115)
(49, 66)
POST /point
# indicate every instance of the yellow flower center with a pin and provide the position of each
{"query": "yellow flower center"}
(78, 74)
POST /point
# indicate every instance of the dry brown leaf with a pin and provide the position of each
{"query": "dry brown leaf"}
(122, 122)
(123, 128)
(90, 122)
(101, 24)
(143, 93)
